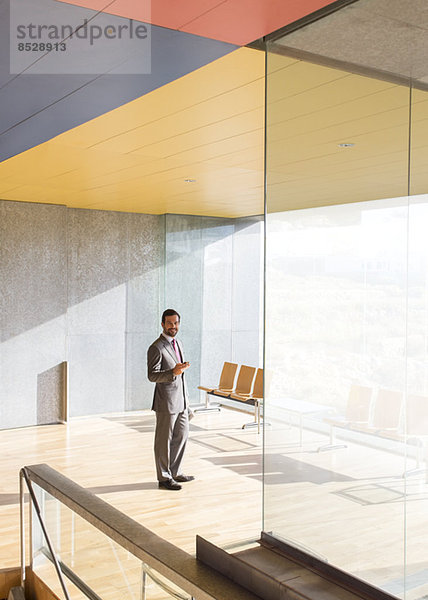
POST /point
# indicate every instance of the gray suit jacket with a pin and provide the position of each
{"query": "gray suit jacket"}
(170, 392)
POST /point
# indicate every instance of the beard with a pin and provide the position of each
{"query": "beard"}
(171, 332)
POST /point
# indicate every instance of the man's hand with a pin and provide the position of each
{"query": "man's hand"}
(180, 367)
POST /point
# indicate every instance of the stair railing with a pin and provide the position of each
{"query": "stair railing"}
(179, 575)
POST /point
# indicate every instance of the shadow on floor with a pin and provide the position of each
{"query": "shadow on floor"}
(279, 469)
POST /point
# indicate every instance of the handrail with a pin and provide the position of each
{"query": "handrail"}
(24, 475)
(22, 527)
(198, 580)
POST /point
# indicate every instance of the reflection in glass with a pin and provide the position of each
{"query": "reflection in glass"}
(346, 345)
(335, 344)
(92, 564)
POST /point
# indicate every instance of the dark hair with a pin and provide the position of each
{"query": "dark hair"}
(169, 312)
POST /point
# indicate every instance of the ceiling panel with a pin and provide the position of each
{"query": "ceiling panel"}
(390, 36)
(306, 125)
(35, 107)
(234, 21)
(229, 76)
(138, 156)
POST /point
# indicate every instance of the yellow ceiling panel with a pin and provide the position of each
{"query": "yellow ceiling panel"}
(243, 159)
(368, 94)
(213, 111)
(50, 160)
(317, 168)
(348, 174)
(361, 115)
(299, 77)
(7, 184)
(278, 62)
(38, 193)
(363, 179)
(39, 162)
(209, 127)
(305, 165)
(142, 205)
(133, 173)
(221, 151)
(172, 130)
(151, 179)
(165, 186)
(419, 133)
(230, 151)
(369, 145)
(228, 128)
(93, 170)
(291, 195)
(239, 68)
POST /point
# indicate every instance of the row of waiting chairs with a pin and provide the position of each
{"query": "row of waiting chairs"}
(386, 414)
(248, 388)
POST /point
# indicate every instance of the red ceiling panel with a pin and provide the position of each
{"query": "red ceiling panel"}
(235, 21)
(243, 21)
(165, 13)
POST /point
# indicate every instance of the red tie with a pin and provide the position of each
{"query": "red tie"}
(174, 345)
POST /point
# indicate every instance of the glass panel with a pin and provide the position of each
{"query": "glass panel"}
(88, 556)
(336, 316)
(223, 296)
(417, 353)
(157, 587)
(347, 299)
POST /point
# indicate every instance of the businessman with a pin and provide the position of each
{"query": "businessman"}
(165, 368)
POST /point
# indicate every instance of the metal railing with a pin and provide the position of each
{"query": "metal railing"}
(166, 565)
(36, 507)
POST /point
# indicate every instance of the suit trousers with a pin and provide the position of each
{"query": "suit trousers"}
(172, 431)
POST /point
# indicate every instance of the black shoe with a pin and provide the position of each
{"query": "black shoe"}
(169, 484)
(184, 478)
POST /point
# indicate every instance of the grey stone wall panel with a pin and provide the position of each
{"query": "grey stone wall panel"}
(89, 287)
(33, 265)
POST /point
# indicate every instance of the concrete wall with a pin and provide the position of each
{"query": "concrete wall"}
(88, 287)
(33, 307)
(115, 278)
(81, 286)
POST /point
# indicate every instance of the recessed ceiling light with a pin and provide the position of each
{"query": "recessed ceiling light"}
(346, 145)
(190, 180)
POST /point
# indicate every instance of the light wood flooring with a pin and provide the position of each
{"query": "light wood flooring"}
(113, 457)
(351, 506)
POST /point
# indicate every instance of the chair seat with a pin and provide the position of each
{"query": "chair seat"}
(222, 392)
(241, 397)
(392, 435)
(337, 421)
(364, 427)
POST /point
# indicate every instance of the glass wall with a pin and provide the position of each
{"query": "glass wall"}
(346, 346)
(214, 278)
(91, 564)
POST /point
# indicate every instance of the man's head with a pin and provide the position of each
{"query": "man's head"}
(170, 322)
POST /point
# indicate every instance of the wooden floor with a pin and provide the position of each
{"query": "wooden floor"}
(350, 506)
(113, 457)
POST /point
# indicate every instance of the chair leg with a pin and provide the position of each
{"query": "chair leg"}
(417, 470)
(257, 411)
(257, 418)
(256, 422)
(207, 407)
(331, 445)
